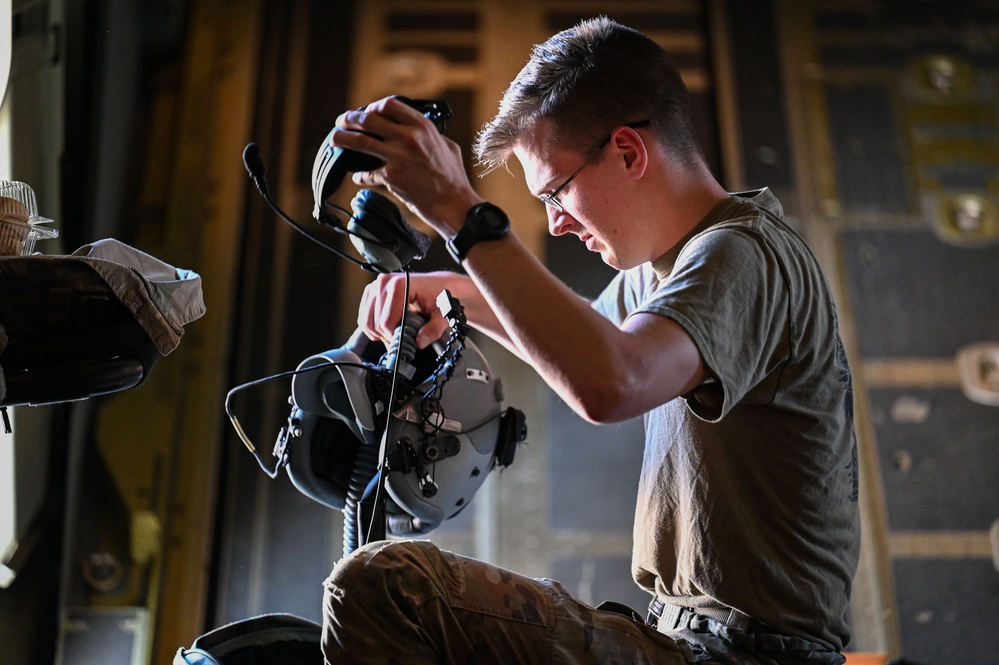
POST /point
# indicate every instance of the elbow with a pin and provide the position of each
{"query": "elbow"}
(605, 403)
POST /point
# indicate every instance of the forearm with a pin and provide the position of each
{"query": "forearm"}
(603, 372)
(479, 312)
(555, 330)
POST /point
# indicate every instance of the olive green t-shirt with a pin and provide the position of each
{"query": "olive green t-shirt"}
(748, 491)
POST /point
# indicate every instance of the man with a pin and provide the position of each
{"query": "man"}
(719, 328)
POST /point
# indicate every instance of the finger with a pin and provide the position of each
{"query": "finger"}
(373, 178)
(357, 140)
(432, 331)
(366, 312)
(363, 132)
(381, 120)
(374, 312)
(397, 111)
(391, 304)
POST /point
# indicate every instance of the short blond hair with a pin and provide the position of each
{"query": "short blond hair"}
(587, 80)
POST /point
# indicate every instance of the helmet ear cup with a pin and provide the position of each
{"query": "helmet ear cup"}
(338, 392)
(381, 234)
(322, 470)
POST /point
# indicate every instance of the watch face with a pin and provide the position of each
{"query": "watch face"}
(484, 222)
(492, 219)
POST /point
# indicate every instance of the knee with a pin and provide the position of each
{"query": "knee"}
(373, 599)
(383, 567)
(354, 563)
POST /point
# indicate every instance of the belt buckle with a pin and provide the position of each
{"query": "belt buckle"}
(655, 609)
(665, 617)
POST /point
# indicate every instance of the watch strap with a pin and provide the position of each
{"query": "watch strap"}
(476, 229)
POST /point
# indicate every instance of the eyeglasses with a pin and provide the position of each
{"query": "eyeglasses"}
(552, 199)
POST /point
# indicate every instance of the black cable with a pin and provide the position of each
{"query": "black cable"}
(336, 250)
(256, 382)
(255, 168)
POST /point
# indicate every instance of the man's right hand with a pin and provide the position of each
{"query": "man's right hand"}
(423, 168)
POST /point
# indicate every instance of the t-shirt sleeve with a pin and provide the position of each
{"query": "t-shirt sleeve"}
(727, 291)
(618, 299)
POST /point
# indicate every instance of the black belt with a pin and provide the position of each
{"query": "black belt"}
(668, 618)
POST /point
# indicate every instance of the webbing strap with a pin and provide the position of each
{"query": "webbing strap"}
(668, 618)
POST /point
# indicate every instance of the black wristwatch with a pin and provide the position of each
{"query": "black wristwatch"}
(483, 222)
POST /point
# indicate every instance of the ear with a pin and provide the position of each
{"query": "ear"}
(631, 150)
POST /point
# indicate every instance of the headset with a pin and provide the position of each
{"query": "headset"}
(376, 226)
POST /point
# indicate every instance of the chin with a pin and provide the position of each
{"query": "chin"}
(618, 263)
(612, 261)
(610, 258)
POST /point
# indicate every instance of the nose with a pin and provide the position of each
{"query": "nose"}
(559, 221)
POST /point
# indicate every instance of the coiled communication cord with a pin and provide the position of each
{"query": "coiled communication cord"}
(365, 468)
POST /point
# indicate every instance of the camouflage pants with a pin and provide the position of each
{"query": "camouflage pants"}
(409, 602)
